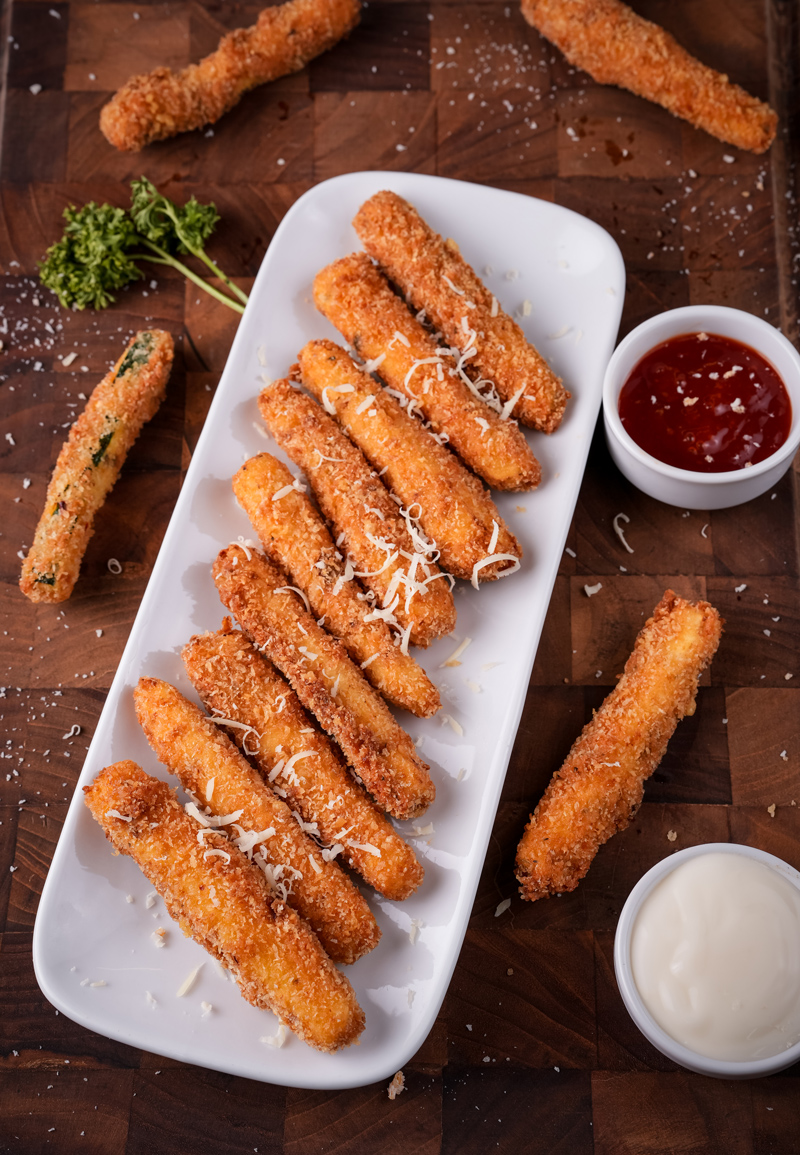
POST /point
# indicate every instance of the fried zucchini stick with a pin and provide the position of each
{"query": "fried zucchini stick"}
(297, 539)
(162, 103)
(235, 681)
(357, 299)
(382, 755)
(222, 901)
(210, 768)
(456, 512)
(599, 788)
(363, 515)
(432, 275)
(90, 462)
(616, 46)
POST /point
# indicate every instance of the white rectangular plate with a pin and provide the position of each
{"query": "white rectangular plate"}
(94, 952)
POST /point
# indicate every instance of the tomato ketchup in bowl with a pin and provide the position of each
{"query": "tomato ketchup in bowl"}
(702, 406)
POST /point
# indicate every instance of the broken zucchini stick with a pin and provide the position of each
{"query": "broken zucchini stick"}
(297, 539)
(237, 683)
(432, 275)
(599, 788)
(90, 462)
(161, 103)
(222, 900)
(357, 299)
(387, 551)
(380, 753)
(615, 45)
(212, 770)
(456, 513)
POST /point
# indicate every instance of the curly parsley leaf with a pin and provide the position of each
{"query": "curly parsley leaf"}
(91, 261)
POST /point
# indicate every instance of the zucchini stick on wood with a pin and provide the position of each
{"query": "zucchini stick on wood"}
(222, 901)
(90, 462)
(599, 788)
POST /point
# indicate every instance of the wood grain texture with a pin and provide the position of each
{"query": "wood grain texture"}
(532, 1051)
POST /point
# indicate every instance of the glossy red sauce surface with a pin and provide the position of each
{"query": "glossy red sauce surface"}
(706, 403)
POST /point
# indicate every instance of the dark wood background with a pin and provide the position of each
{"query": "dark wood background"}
(533, 1050)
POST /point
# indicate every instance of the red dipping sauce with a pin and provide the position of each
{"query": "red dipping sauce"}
(705, 403)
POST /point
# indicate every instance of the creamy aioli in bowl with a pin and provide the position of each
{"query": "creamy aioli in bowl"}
(715, 956)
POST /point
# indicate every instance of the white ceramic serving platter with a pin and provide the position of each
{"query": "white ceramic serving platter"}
(94, 951)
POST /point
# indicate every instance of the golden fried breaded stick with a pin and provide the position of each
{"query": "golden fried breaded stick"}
(363, 516)
(90, 462)
(235, 681)
(455, 511)
(616, 46)
(210, 768)
(433, 276)
(382, 755)
(162, 103)
(297, 539)
(357, 299)
(222, 901)
(599, 788)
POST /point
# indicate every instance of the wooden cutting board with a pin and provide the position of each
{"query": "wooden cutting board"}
(533, 1050)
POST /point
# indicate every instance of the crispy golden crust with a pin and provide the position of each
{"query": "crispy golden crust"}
(162, 103)
(235, 681)
(456, 512)
(358, 506)
(90, 462)
(433, 276)
(616, 46)
(207, 763)
(226, 907)
(357, 299)
(382, 755)
(297, 539)
(599, 788)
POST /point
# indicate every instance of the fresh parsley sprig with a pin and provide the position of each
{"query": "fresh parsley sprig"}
(101, 244)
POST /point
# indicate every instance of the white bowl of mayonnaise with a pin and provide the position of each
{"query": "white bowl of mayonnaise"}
(707, 959)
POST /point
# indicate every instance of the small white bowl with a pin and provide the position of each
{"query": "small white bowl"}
(701, 1064)
(683, 487)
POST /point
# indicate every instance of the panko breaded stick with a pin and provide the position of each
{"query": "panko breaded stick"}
(210, 768)
(357, 299)
(599, 788)
(358, 506)
(382, 755)
(222, 901)
(162, 103)
(456, 512)
(90, 462)
(297, 539)
(235, 681)
(616, 46)
(432, 275)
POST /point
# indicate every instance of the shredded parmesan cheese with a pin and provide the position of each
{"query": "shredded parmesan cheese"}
(329, 408)
(453, 660)
(116, 814)
(299, 592)
(619, 531)
(188, 982)
(495, 557)
(508, 408)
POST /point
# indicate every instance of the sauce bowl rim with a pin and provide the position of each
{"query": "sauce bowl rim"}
(634, 1004)
(699, 318)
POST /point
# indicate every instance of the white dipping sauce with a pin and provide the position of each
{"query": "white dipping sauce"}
(715, 955)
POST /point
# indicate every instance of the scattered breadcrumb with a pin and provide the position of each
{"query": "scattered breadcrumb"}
(672, 835)
(771, 810)
(397, 1085)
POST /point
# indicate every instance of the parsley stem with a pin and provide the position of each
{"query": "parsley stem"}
(164, 258)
